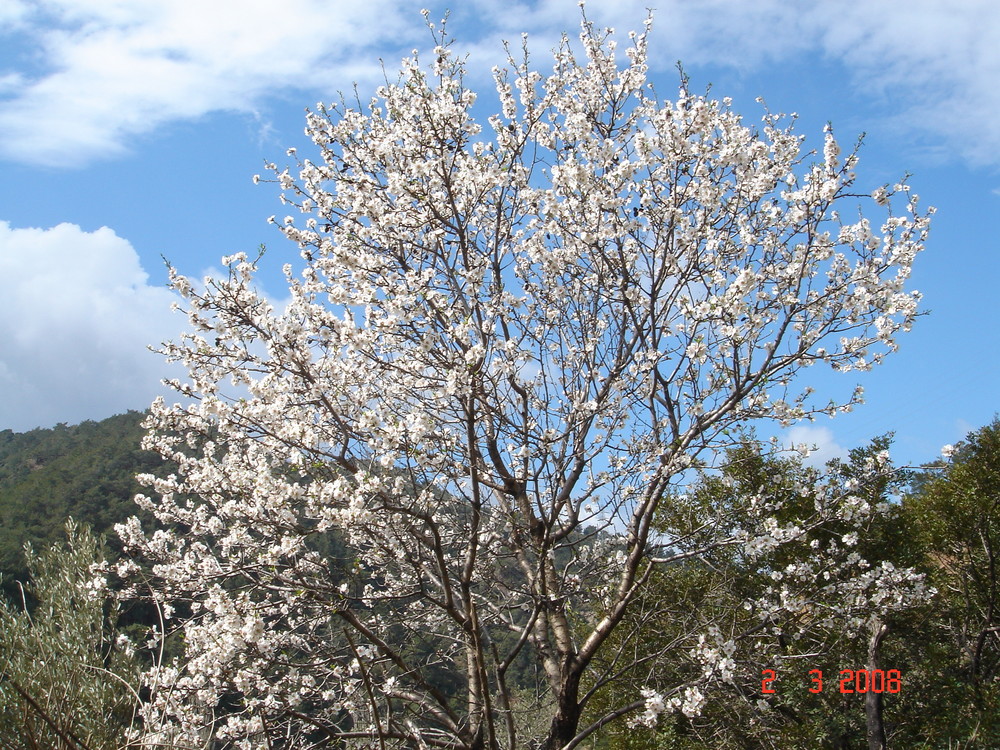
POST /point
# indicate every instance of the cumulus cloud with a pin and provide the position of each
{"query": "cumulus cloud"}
(76, 316)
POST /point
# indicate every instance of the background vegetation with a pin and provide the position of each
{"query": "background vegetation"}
(86, 471)
(59, 659)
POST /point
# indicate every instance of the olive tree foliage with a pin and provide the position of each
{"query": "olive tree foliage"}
(67, 678)
(506, 346)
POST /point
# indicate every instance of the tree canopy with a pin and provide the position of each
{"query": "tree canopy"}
(508, 347)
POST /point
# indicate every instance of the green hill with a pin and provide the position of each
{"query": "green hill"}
(86, 471)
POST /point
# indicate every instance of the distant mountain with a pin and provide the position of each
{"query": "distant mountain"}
(86, 471)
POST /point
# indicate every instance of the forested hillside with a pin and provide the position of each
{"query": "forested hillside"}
(86, 471)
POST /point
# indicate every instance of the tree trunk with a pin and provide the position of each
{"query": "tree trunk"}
(567, 718)
(873, 700)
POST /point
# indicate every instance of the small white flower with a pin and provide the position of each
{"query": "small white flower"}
(947, 451)
(694, 701)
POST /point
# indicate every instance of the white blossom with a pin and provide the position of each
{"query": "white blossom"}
(498, 362)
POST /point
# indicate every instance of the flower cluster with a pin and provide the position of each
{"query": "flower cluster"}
(690, 703)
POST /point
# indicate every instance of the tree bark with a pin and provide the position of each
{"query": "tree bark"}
(567, 718)
(873, 700)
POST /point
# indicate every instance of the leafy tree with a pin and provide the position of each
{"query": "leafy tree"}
(722, 589)
(954, 512)
(68, 680)
(499, 363)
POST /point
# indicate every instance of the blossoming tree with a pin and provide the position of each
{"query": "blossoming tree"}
(505, 350)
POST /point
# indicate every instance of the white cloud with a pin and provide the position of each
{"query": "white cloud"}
(12, 12)
(819, 441)
(940, 60)
(76, 315)
(931, 66)
(114, 70)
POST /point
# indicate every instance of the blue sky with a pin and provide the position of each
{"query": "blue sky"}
(131, 129)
